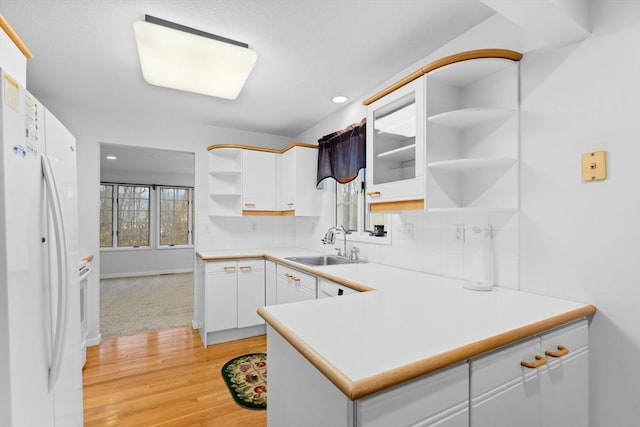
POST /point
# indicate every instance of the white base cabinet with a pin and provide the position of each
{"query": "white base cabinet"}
(493, 390)
(299, 395)
(233, 291)
(504, 393)
(439, 399)
(294, 286)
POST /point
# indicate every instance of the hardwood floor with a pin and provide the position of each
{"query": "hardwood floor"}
(164, 378)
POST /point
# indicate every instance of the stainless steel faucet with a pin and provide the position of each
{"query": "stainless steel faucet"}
(330, 238)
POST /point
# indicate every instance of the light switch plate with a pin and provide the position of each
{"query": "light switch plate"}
(594, 166)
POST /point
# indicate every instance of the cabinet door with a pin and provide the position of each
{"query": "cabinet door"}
(222, 298)
(396, 145)
(258, 180)
(504, 393)
(270, 282)
(287, 180)
(565, 378)
(251, 293)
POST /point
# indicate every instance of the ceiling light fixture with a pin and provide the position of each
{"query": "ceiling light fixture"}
(339, 99)
(183, 58)
(111, 157)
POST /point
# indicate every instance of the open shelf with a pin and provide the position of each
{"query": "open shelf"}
(400, 122)
(462, 165)
(399, 154)
(505, 210)
(468, 117)
(224, 194)
(225, 172)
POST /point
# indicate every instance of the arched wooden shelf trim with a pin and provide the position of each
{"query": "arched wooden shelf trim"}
(15, 38)
(447, 60)
(265, 149)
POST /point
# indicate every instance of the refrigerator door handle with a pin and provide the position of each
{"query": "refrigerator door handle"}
(53, 196)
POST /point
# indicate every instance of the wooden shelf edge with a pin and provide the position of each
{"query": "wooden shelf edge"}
(269, 213)
(400, 205)
(447, 60)
(264, 149)
(15, 38)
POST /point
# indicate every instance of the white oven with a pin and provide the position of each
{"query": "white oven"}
(84, 271)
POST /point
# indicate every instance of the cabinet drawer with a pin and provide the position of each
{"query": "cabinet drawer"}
(430, 399)
(298, 278)
(249, 265)
(573, 337)
(502, 366)
(230, 266)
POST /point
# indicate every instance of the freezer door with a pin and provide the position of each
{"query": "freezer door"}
(61, 155)
(25, 345)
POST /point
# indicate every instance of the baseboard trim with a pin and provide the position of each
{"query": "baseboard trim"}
(234, 334)
(145, 273)
(92, 341)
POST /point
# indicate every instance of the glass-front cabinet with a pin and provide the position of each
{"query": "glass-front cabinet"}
(396, 149)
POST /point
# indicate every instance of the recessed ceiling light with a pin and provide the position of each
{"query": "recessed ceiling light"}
(111, 157)
(183, 58)
(339, 99)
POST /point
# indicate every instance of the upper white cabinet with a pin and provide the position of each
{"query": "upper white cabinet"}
(246, 180)
(396, 147)
(473, 135)
(296, 192)
(448, 139)
(258, 180)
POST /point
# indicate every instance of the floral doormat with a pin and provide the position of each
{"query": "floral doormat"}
(246, 377)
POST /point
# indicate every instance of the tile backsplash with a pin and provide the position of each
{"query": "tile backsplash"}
(440, 243)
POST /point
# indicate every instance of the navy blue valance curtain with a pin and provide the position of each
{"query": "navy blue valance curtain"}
(342, 154)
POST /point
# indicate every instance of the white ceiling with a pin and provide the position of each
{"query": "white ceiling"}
(308, 51)
(142, 159)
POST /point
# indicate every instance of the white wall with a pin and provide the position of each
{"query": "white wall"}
(92, 127)
(577, 240)
(433, 246)
(580, 240)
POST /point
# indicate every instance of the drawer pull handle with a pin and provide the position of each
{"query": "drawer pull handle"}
(296, 279)
(374, 194)
(245, 267)
(287, 275)
(250, 205)
(290, 205)
(229, 268)
(562, 350)
(540, 360)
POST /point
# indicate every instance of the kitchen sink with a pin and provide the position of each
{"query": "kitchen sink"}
(320, 260)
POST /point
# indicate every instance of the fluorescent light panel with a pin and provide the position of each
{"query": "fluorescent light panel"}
(191, 60)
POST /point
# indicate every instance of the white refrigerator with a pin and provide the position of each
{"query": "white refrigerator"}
(40, 338)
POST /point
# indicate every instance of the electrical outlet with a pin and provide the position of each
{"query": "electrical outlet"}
(408, 231)
(459, 232)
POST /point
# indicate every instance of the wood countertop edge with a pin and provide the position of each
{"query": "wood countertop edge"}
(228, 257)
(348, 283)
(265, 149)
(358, 389)
(344, 384)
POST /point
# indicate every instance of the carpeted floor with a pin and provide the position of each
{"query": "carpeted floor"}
(143, 304)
